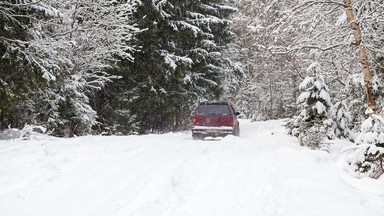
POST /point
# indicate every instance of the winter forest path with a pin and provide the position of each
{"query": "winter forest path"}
(264, 172)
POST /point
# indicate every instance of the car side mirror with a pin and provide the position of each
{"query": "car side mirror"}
(237, 113)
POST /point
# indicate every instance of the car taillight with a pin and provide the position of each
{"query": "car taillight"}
(232, 122)
(194, 121)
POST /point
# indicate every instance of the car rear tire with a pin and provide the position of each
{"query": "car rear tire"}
(197, 136)
(237, 131)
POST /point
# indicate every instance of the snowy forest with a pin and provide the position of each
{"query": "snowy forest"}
(78, 67)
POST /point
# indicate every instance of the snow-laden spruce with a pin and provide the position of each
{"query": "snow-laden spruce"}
(180, 62)
(342, 119)
(366, 158)
(312, 125)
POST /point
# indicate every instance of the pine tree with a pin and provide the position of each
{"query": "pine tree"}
(341, 120)
(355, 102)
(179, 63)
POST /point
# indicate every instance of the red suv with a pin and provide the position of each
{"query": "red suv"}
(215, 119)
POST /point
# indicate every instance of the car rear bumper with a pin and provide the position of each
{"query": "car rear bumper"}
(213, 131)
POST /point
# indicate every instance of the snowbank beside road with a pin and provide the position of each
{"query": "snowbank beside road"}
(264, 172)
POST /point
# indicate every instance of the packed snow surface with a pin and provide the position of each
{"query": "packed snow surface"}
(264, 172)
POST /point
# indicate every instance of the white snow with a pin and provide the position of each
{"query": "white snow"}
(303, 96)
(306, 82)
(325, 96)
(342, 19)
(319, 107)
(264, 172)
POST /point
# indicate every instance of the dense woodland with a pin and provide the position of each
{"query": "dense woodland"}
(140, 66)
(110, 66)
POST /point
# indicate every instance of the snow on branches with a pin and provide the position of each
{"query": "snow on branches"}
(70, 44)
(312, 125)
(366, 158)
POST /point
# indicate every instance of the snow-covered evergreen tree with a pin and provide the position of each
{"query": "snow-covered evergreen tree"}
(368, 154)
(342, 118)
(91, 36)
(24, 63)
(355, 100)
(312, 125)
(179, 62)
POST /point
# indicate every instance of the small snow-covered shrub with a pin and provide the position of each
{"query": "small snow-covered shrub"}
(312, 136)
(9, 134)
(367, 157)
(28, 130)
(342, 119)
(290, 126)
(25, 133)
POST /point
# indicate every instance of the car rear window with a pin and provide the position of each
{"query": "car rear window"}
(213, 109)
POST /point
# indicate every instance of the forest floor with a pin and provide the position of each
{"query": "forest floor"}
(263, 172)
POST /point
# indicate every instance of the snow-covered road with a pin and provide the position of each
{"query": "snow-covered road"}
(262, 173)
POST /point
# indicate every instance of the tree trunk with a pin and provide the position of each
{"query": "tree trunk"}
(270, 95)
(363, 57)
